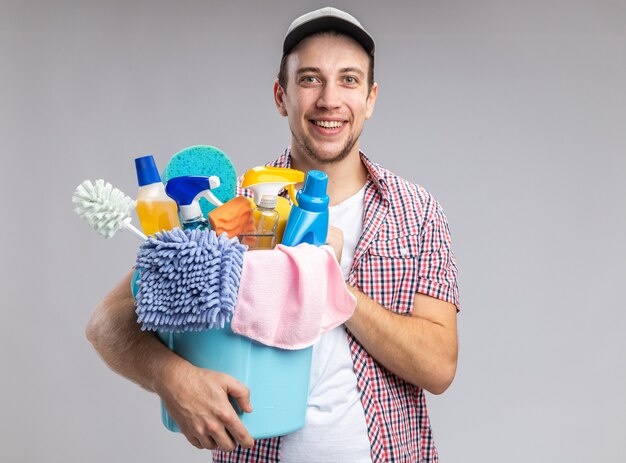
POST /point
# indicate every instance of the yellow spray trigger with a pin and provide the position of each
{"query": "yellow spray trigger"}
(291, 191)
(266, 180)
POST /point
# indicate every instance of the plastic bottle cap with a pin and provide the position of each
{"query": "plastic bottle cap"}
(312, 197)
(147, 172)
(268, 201)
(315, 183)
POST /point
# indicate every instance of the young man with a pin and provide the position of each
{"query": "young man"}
(366, 400)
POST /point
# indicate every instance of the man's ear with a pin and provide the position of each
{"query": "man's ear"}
(371, 101)
(279, 99)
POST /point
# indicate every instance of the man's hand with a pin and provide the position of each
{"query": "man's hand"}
(335, 241)
(197, 399)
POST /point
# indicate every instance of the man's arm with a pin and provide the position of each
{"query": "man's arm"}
(421, 348)
(196, 398)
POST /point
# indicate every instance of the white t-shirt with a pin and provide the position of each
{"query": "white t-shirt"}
(334, 428)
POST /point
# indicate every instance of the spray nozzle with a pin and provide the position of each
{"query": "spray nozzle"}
(187, 191)
(267, 180)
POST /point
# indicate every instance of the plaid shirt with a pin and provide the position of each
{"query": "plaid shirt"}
(404, 249)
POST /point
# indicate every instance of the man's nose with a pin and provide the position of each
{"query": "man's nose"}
(330, 96)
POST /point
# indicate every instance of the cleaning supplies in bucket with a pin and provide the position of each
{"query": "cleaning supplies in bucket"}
(173, 261)
(277, 378)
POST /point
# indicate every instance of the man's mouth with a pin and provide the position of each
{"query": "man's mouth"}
(329, 124)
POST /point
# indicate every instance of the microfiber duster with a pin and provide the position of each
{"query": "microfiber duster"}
(105, 208)
(203, 160)
(189, 280)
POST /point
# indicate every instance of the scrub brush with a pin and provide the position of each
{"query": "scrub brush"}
(105, 208)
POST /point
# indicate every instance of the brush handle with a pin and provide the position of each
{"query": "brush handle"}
(131, 228)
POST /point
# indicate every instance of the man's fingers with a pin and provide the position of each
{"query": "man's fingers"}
(334, 239)
(195, 442)
(239, 432)
(240, 393)
(230, 419)
(208, 442)
(223, 440)
(236, 429)
(205, 414)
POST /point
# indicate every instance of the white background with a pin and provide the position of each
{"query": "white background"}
(511, 113)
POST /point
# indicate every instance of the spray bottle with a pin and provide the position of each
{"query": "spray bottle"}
(265, 183)
(308, 220)
(155, 210)
(187, 191)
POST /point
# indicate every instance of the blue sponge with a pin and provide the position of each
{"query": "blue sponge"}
(189, 280)
(206, 161)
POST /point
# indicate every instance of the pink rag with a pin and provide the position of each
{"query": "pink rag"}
(289, 296)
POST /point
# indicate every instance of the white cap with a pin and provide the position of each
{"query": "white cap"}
(268, 201)
(326, 19)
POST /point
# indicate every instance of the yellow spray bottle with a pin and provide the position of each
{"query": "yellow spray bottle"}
(271, 211)
(156, 211)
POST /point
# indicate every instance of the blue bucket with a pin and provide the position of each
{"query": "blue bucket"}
(278, 379)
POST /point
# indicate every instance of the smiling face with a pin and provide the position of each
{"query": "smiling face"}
(326, 98)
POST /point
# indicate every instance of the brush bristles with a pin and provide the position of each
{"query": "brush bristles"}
(105, 208)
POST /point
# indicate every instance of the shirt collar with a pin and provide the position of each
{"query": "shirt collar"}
(375, 172)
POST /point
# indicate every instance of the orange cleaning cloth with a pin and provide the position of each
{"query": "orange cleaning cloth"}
(234, 217)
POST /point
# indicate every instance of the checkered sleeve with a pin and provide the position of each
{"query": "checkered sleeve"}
(437, 269)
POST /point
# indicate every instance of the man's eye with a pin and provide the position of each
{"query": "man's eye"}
(351, 80)
(309, 79)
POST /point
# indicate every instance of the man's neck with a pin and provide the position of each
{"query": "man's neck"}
(345, 178)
